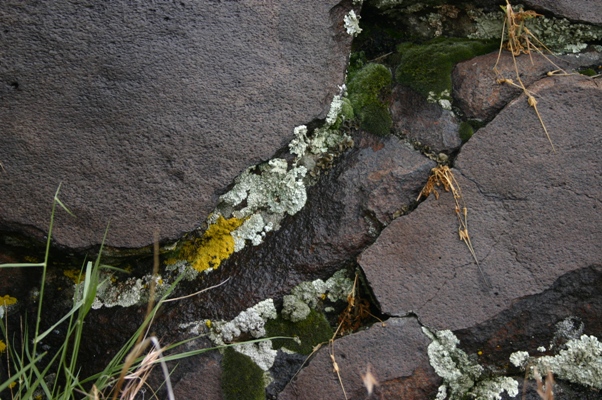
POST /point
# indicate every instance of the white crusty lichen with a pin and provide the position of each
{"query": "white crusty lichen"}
(308, 295)
(580, 362)
(462, 377)
(443, 99)
(111, 292)
(251, 321)
(352, 23)
(261, 353)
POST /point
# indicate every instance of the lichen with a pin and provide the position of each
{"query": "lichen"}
(557, 34)
(2, 346)
(366, 87)
(75, 275)
(251, 321)
(462, 377)
(580, 362)
(352, 23)
(111, 292)
(216, 245)
(6, 303)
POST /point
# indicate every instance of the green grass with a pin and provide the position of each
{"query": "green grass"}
(34, 373)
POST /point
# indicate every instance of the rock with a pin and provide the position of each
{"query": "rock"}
(479, 96)
(581, 10)
(533, 215)
(396, 354)
(427, 123)
(146, 113)
(344, 214)
(203, 378)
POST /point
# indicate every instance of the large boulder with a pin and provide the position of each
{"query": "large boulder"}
(533, 214)
(146, 113)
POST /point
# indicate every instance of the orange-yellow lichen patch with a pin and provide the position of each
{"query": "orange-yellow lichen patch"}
(74, 274)
(7, 300)
(216, 245)
(2, 346)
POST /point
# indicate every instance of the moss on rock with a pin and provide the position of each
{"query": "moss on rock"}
(366, 88)
(311, 331)
(242, 379)
(427, 67)
(465, 131)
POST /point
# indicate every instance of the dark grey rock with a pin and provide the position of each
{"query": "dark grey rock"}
(587, 11)
(344, 214)
(533, 214)
(147, 112)
(427, 123)
(397, 357)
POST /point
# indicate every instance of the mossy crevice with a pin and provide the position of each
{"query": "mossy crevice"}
(241, 379)
(311, 331)
(427, 67)
(367, 88)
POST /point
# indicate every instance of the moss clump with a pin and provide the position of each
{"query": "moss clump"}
(427, 68)
(216, 245)
(366, 88)
(242, 379)
(311, 331)
(465, 131)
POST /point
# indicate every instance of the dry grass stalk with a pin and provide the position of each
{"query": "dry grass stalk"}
(522, 41)
(442, 176)
(545, 390)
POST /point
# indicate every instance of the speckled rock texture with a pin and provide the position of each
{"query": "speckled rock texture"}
(589, 11)
(533, 214)
(147, 112)
(396, 354)
(478, 94)
(424, 123)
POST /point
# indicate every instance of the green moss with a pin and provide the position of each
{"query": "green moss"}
(242, 379)
(465, 131)
(427, 68)
(311, 331)
(366, 87)
(588, 72)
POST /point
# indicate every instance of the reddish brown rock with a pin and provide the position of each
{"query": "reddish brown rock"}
(479, 96)
(147, 112)
(397, 357)
(533, 214)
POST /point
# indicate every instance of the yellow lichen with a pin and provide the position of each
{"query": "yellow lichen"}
(216, 245)
(208, 323)
(74, 274)
(2, 346)
(7, 300)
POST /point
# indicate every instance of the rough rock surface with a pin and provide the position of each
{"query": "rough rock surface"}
(534, 214)
(420, 121)
(146, 112)
(479, 96)
(576, 10)
(345, 212)
(397, 357)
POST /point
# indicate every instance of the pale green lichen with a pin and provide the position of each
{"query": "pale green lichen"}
(558, 34)
(352, 23)
(462, 377)
(111, 292)
(309, 295)
(580, 362)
